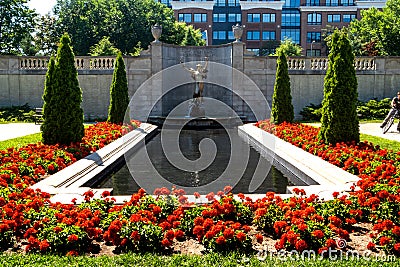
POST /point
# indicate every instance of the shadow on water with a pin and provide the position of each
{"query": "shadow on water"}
(123, 183)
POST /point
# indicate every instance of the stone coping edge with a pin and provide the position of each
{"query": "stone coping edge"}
(306, 166)
(71, 179)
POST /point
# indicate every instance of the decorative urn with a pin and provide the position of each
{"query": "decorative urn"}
(156, 30)
(237, 32)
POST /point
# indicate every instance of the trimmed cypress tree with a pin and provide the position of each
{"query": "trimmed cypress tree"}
(119, 99)
(339, 122)
(64, 124)
(48, 108)
(282, 108)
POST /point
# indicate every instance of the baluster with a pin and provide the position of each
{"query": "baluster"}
(103, 65)
(95, 63)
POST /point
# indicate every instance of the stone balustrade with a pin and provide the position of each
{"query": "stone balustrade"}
(81, 63)
(107, 63)
(321, 63)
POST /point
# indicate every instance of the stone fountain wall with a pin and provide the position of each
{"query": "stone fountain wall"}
(22, 79)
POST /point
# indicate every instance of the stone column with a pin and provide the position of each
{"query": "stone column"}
(237, 55)
(156, 57)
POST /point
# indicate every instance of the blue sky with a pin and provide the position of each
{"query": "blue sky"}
(42, 6)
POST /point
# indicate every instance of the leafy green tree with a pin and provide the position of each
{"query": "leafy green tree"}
(282, 108)
(377, 30)
(192, 37)
(104, 48)
(47, 35)
(289, 48)
(64, 96)
(119, 98)
(339, 122)
(16, 24)
(126, 23)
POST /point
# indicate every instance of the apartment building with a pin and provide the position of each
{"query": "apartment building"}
(266, 23)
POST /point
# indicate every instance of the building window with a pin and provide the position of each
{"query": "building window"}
(186, 17)
(313, 36)
(332, 2)
(253, 17)
(312, 3)
(253, 35)
(349, 17)
(233, 3)
(347, 2)
(314, 19)
(219, 35)
(200, 17)
(268, 35)
(219, 17)
(313, 53)
(204, 35)
(290, 18)
(333, 18)
(230, 35)
(234, 17)
(293, 34)
(269, 17)
(292, 3)
(221, 2)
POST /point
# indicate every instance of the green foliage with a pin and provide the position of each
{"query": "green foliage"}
(370, 110)
(49, 106)
(119, 98)
(17, 114)
(47, 35)
(373, 109)
(63, 120)
(376, 33)
(16, 25)
(125, 22)
(104, 48)
(137, 49)
(282, 108)
(312, 112)
(289, 48)
(339, 120)
(192, 37)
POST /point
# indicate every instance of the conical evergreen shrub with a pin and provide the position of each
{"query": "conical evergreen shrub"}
(63, 98)
(119, 99)
(48, 108)
(339, 122)
(282, 108)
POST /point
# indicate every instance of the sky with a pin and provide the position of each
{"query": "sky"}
(42, 6)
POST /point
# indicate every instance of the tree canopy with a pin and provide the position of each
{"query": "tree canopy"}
(378, 31)
(125, 23)
(289, 48)
(16, 26)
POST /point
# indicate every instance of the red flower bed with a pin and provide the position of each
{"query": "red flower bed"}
(147, 223)
(377, 200)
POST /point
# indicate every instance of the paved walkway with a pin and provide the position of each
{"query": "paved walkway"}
(374, 129)
(13, 130)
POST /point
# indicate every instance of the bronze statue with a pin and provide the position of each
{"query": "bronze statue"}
(198, 74)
